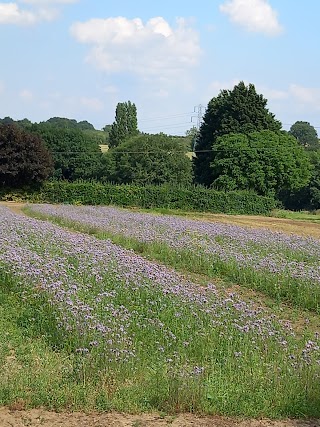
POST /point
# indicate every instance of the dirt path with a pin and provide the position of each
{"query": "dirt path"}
(15, 207)
(39, 417)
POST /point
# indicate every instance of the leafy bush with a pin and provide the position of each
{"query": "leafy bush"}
(150, 196)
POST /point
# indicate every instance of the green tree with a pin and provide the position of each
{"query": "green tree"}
(265, 162)
(64, 123)
(305, 134)
(7, 121)
(24, 159)
(240, 110)
(314, 185)
(76, 155)
(192, 136)
(125, 124)
(151, 159)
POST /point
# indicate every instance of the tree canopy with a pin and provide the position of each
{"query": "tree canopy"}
(76, 155)
(151, 159)
(64, 123)
(125, 124)
(240, 110)
(24, 159)
(305, 134)
(266, 162)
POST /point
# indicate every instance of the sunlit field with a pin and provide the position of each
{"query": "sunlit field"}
(283, 266)
(104, 328)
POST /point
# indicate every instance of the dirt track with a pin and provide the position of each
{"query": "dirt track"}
(39, 417)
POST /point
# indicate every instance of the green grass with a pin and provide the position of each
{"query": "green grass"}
(35, 373)
(301, 215)
(32, 373)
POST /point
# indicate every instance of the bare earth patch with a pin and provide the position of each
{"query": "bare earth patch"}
(39, 417)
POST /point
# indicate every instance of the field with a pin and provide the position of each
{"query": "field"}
(112, 310)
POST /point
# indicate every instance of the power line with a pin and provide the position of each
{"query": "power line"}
(171, 126)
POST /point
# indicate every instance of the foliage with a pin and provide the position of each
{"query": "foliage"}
(151, 159)
(315, 180)
(24, 159)
(106, 130)
(125, 124)
(265, 162)
(7, 121)
(193, 198)
(307, 197)
(305, 134)
(192, 135)
(76, 155)
(240, 110)
(64, 123)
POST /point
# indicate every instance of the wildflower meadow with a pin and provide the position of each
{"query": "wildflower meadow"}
(135, 335)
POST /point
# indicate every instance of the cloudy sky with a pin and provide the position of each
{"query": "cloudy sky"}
(79, 58)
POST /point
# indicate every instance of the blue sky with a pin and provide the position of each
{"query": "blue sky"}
(79, 58)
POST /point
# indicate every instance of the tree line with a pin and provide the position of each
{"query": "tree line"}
(239, 146)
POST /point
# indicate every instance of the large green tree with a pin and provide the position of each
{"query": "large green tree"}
(24, 159)
(266, 162)
(76, 155)
(151, 159)
(305, 134)
(240, 110)
(125, 124)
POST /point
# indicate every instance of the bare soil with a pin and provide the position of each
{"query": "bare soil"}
(40, 417)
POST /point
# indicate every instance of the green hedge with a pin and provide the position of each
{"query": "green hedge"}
(150, 196)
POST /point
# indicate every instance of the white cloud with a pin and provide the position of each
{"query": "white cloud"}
(48, 2)
(26, 95)
(307, 96)
(40, 10)
(111, 89)
(10, 13)
(253, 15)
(92, 103)
(273, 94)
(151, 49)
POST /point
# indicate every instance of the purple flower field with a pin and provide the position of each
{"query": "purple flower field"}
(145, 324)
(290, 263)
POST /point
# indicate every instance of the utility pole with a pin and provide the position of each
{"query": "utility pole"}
(199, 109)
